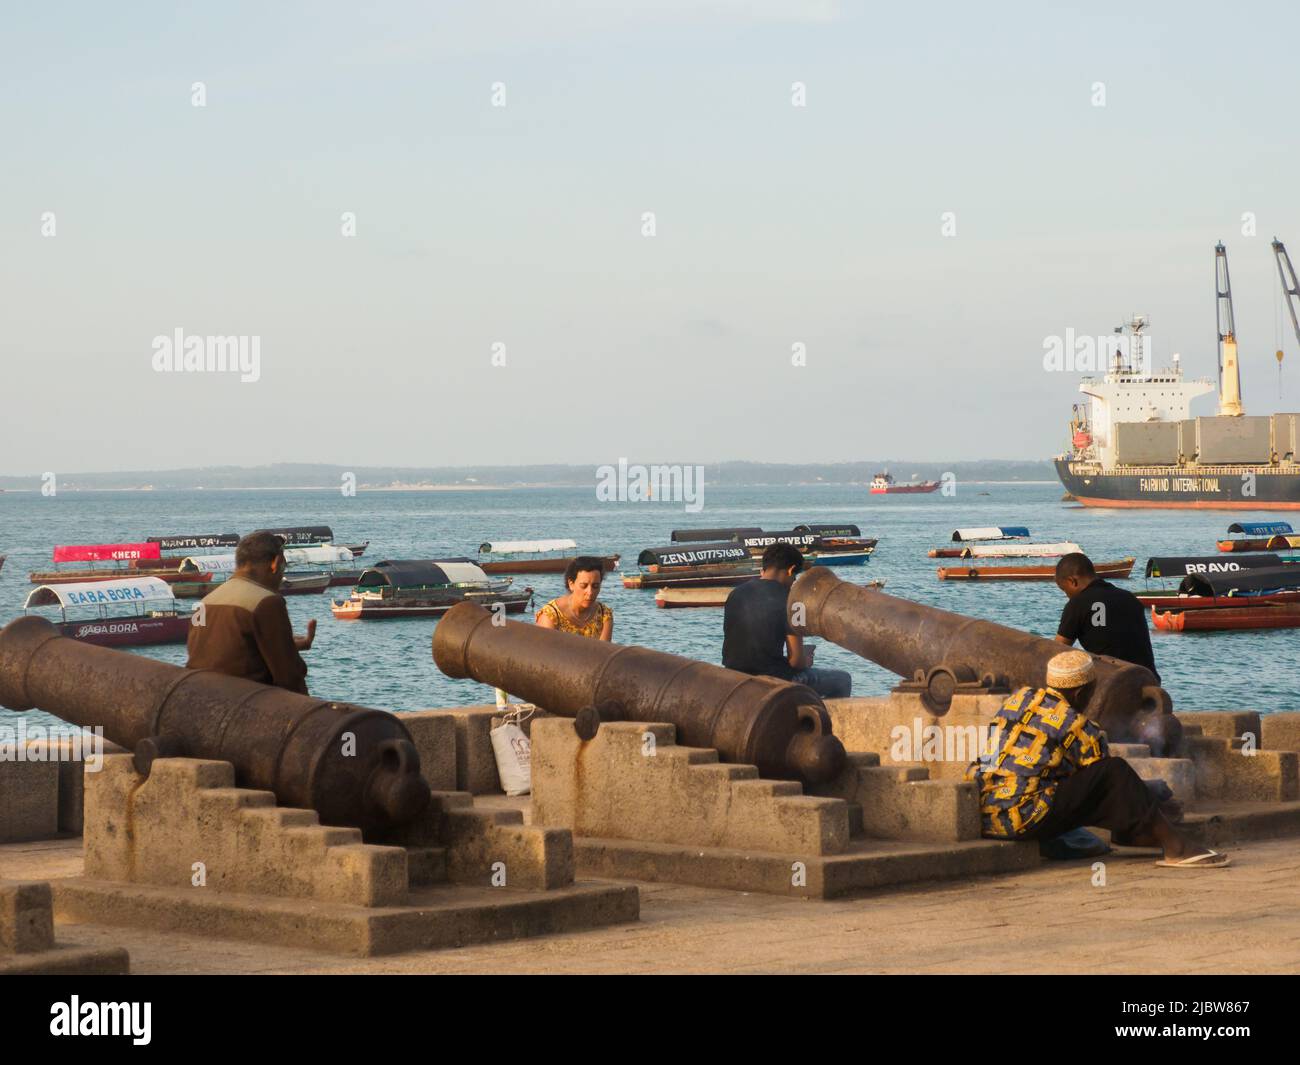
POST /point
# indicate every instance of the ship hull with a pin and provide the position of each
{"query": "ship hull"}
(1182, 488)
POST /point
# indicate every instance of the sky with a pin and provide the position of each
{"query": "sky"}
(502, 300)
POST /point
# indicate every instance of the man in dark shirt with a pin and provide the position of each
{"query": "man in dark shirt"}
(757, 638)
(242, 628)
(1106, 620)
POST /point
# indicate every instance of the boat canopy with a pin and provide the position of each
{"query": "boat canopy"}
(520, 547)
(766, 539)
(1260, 528)
(303, 534)
(996, 550)
(311, 555)
(1248, 582)
(992, 532)
(96, 593)
(105, 552)
(705, 536)
(318, 555)
(1183, 566)
(207, 564)
(418, 573)
(195, 543)
(829, 530)
(695, 555)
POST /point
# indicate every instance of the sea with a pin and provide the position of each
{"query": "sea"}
(389, 664)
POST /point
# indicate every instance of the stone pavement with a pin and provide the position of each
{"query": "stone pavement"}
(1244, 919)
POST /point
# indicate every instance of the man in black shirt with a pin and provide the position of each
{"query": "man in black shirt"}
(1106, 620)
(757, 638)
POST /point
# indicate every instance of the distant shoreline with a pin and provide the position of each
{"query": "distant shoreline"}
(469, 487)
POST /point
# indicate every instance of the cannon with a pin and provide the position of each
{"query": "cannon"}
(353, 765)
(939, 652)
(781, 728)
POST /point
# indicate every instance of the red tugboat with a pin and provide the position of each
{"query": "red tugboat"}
(134, 612)
(884, 484)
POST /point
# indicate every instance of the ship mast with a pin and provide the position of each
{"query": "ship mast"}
(1229, 373)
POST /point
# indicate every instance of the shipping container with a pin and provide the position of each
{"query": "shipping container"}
(1245, 439)
(1146, 443)
(1285, 430)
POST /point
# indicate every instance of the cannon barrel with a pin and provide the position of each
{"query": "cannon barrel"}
(353, 765)
(780, 727)
(941, 649)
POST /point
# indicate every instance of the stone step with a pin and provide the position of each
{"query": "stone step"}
(1130, 751)
(426, 866)
(1178, 773)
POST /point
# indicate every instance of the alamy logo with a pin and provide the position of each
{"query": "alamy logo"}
(1087, 354)
(102, 1018)
(179, 353)
(661, 484)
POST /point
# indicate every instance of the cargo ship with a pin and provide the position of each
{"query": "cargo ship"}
(1134, 443)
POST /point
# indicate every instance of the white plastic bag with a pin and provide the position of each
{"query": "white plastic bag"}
(513, 752)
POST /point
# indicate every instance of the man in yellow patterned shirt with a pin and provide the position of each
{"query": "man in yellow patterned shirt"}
(1048, 771)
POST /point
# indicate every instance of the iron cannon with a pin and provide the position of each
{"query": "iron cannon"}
(780, 727)
(940, 651)
(353, 765)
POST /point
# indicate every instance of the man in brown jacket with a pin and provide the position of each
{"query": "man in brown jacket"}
(245, 629)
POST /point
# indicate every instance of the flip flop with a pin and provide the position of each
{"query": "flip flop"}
(1209, 860)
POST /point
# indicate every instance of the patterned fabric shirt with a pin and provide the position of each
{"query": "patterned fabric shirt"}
(595, 624)
(1038, 741)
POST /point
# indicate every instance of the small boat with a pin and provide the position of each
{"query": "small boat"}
(1118, 570)
(304, 583)
(2, 561)
(302, 535)
(129, 612)
(534, 556)
(693, 566)
(1260, 536)
(173, 549)
(676, 598)
(884, 484)
(965, 538)
(426, 589)
(712, 536)
(824, 545)
(311, 569)
(120, 556)
(1265, 586)
(1272, 616)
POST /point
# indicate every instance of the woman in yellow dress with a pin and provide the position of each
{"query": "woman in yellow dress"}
(580, 612)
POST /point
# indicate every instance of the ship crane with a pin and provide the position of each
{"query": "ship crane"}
(1286, 272)
(1229, 373)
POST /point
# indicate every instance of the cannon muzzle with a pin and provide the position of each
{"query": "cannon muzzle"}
(941, 650)
(780, 727)
(353, 765)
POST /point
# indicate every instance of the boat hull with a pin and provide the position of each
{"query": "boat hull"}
(906, 489)
(670, 579)
(839, 558)
(677, 598)
(543, 565)
(308, 585)
(1281, 616)
(1209, 602)
(73, 576)
(128, 632)
(1119, 570)
(1182, 488)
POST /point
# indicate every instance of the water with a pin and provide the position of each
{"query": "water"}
(389, 663)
